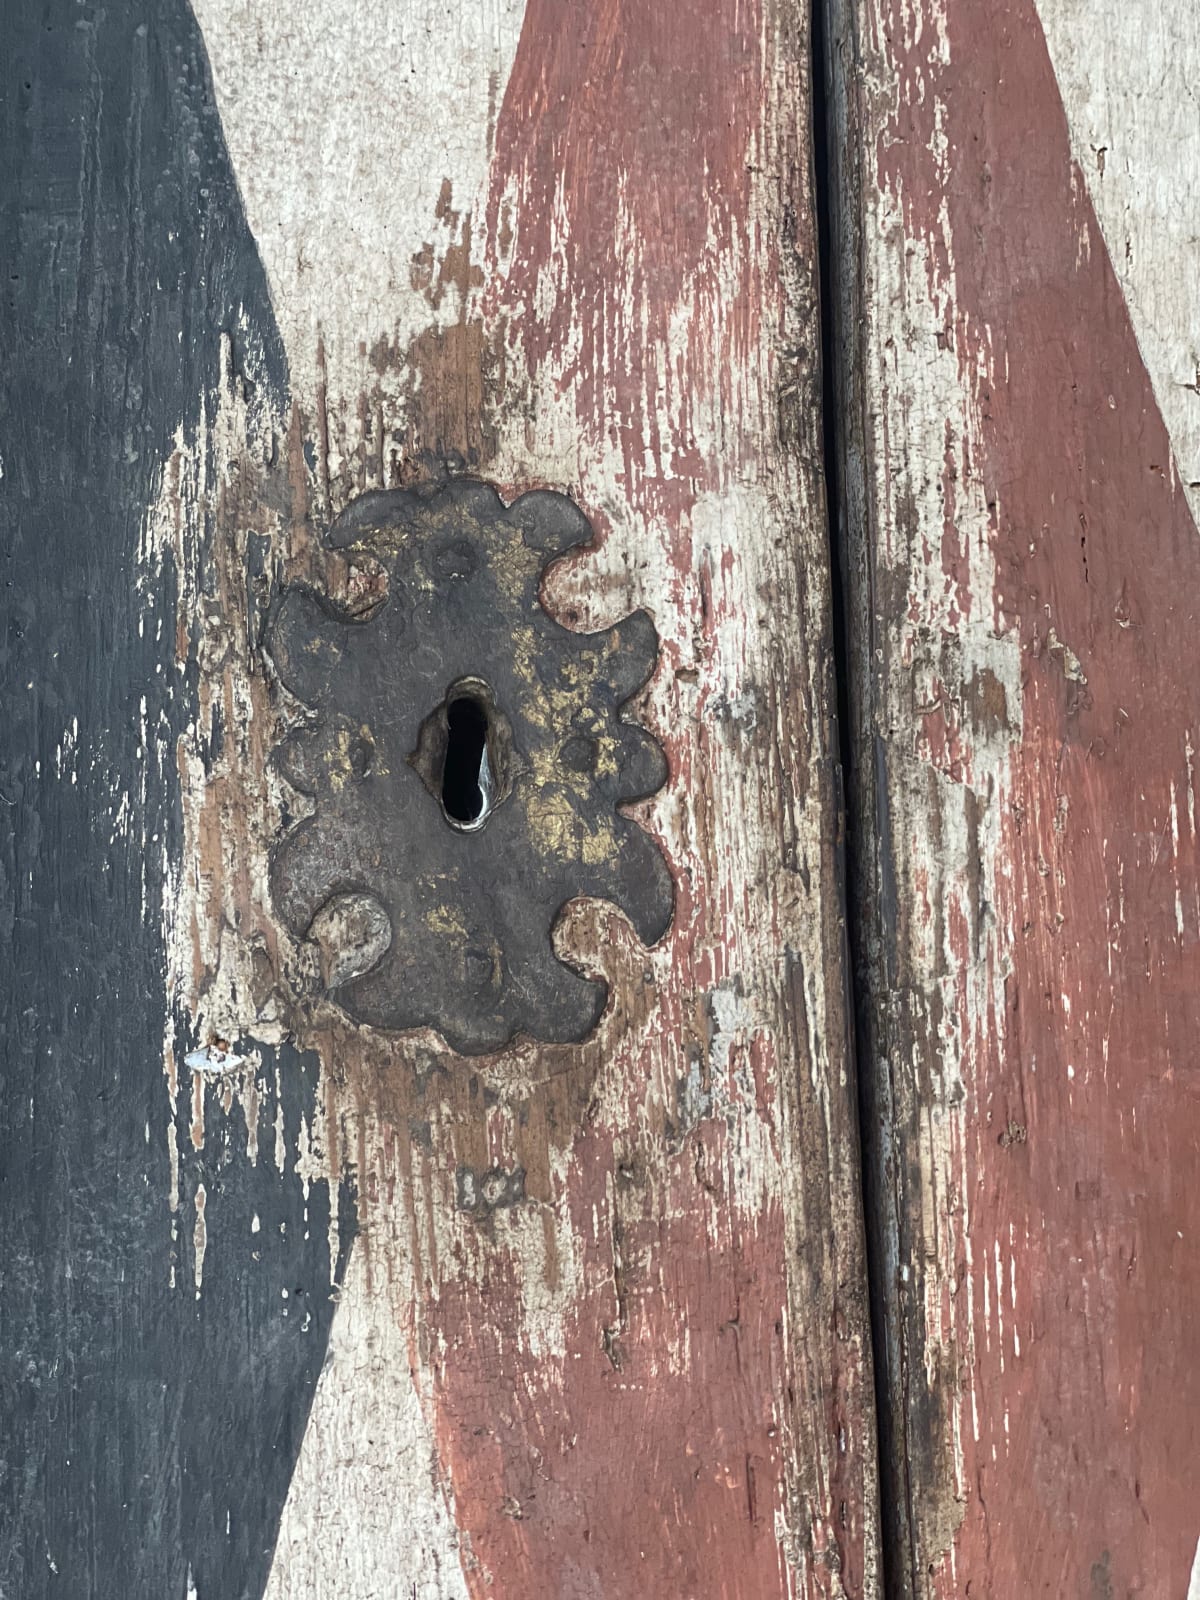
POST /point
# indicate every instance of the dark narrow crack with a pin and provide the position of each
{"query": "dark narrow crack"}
(835, 197)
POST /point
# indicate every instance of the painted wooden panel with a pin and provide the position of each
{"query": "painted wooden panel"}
(1017, 330)
(292, 1306)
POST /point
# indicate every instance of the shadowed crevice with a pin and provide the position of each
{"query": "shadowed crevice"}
(862, 787)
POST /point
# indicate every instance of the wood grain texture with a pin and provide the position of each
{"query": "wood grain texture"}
(648, 1370)
(1023, 576)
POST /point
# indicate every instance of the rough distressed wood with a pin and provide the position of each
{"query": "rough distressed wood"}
(1023, 572)
(566, 247)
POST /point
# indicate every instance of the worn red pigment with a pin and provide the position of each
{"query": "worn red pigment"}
(1081, 1482)
(626, 144)
(648, 1458)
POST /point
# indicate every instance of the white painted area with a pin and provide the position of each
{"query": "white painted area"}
(1193, 1589)
(366, 1514)
(343, 122)
(1130, 82)
(347, 127)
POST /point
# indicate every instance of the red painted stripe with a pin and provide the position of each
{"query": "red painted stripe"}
(1088, 1490)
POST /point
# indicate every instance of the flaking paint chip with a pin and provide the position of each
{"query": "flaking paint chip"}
(214, 1059)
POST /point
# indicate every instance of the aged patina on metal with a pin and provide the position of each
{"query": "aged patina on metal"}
(465, 756)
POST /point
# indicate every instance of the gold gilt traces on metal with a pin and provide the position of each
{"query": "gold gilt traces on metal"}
(427, 914)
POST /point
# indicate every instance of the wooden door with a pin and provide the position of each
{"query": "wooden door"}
(1021, 457)
(481, 1116)
(299, 1300)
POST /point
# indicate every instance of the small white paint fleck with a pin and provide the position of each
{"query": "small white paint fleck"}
(280, 1141)
(1072, 668)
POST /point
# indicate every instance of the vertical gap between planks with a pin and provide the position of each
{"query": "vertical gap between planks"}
(837, 192)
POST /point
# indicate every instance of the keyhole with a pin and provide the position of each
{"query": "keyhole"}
(466, 775)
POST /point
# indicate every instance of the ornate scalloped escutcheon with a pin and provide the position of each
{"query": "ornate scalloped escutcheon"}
(465, 757)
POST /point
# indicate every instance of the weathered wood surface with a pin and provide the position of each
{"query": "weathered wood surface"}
(1018, 214)
(291, 1307)
(565, 246)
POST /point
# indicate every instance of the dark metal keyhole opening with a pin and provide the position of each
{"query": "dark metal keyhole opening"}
(466, 776)
(464, 755)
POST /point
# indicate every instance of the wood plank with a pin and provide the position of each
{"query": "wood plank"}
(1022, 576)
(568, 247)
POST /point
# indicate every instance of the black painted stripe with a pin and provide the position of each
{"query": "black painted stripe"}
(145, 1436)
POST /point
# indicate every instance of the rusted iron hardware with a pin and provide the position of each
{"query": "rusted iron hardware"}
(465, 758)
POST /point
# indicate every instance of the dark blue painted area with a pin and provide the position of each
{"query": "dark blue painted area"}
(145, 1434)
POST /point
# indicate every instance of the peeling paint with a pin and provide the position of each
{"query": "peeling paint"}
(630, 319)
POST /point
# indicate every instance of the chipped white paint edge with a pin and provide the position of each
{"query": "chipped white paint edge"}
(368, 1505)
(1129, 76)
(342, 126)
